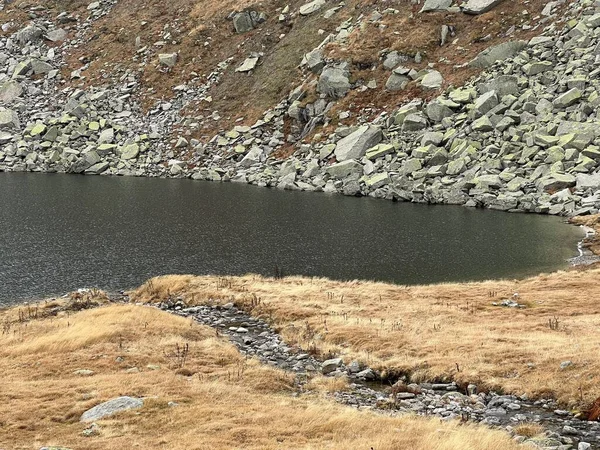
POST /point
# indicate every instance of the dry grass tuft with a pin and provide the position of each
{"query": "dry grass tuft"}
(529, 430)
(328, 384)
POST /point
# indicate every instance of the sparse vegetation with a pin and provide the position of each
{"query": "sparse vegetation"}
(445, 332)
(228, 403)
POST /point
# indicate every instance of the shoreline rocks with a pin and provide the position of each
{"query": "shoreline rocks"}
(520, 137)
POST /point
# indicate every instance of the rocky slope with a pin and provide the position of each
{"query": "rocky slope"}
(519, 136)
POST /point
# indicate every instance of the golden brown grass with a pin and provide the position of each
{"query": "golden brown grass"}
(529, 430)
(446, 331)
(324, 384)
(228, 403)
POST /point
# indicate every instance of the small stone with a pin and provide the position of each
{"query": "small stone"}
(168, 59)
(565, 364)
(330, 365)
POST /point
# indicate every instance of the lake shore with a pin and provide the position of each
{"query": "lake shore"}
(533, 338)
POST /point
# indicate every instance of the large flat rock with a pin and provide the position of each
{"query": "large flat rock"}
(498, 52)
(355, 145)
(111, 407)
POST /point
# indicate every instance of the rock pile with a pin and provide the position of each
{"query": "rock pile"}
(523, 136)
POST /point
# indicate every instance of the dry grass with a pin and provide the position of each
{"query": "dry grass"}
(324, 384)
(529, 430)
(229, 403)
(446, 331)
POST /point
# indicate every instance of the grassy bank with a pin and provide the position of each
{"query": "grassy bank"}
(445, 332)
(222, 400)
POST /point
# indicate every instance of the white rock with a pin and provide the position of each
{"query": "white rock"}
(311, 7)
(248, 65)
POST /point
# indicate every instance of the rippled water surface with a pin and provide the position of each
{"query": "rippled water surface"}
(62, 232)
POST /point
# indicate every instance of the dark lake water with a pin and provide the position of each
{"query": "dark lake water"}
(62, 232)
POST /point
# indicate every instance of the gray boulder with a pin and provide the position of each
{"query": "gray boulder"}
(414, 122)
(9, 119)
(567, 99)
(537, 67)
(314, 60)
(344, 169)
(97, 168)
(585, 181)
(242, 22)
(311, 7)
(254, 156)
(10, 91)
(367, 374)
(111, 407)
(334, 81)
(502, 85)
(40, 67)
(437, 112)
(436, 5)
(130, 151)
(396, 82)
(167, 59)
(583, 130)
(56, 35)
(28, 34)
(393, 59)
(484, 103)
(498, 52)
(330, 365)
(248, 20)
(248, 64)
(433, 80)
(479, 6)
(355, 145)
(556, 182)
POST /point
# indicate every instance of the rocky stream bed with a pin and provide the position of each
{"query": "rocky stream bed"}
(254, 337)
